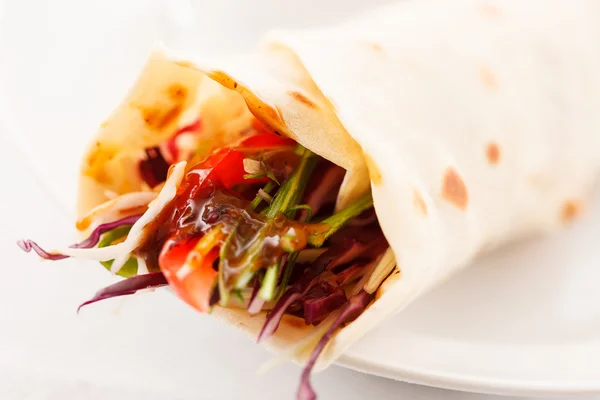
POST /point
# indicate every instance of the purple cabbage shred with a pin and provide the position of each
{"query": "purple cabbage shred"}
(28, 245)
(94, 238)
(344, 251)
(128, 286)
(356, 305)
(317, 306)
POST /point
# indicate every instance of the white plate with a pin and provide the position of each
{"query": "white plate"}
(525, 320)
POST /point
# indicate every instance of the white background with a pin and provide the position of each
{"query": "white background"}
(149, 346)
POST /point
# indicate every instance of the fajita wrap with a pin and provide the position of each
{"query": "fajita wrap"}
(472, 123)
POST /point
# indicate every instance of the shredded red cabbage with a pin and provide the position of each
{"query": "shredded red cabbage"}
(349, 273)
(128, 286)
(256, 303)
(356, 305)
(323, 189)
(94, 238)
(341, 252)
(321, 301)
(28, 245)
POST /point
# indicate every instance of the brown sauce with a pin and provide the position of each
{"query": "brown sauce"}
(199, 207)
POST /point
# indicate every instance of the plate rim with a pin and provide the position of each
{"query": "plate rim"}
(444, 379)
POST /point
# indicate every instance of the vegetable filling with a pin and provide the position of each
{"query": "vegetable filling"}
(253, 226)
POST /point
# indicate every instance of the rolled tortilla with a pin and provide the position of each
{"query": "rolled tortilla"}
(477, 122)
(165, 98)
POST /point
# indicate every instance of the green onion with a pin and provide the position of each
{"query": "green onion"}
(291, 191)
(337, 220)
(256, 202)
(223, 291)
(289, 267)
(254, 176)
(269, 282)
(244, 278)
(237, 293)
(290, 211)
(269, 172)
(284, 201)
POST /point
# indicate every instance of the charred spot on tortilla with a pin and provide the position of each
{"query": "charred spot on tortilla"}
(302, 99)
(570, 210)
(419, 203)
(488, 78)
(492, 153)
(95, 161)
(157, 119)
(235, 85)
(374, 172)
(177, 92)
(454, 190)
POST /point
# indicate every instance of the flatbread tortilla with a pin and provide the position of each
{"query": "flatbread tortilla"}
(474, 123)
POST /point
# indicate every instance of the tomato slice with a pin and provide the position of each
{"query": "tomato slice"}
(188, 263)
(225, 167)
(188, 266)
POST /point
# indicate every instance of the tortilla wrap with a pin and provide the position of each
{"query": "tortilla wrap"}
(476, 121)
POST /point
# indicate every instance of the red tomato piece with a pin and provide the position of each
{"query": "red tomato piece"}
(188, 266)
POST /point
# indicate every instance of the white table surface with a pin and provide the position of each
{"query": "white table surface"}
(145, 347)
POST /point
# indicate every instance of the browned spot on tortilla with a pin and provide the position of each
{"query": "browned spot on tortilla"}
(374, 172)
(158, 119)
(294, 321)
(492, 153)
(302, 99)
(570, 210)
(454, 190)
(96, 161)
(177, 92)
(419, 203)
(170, 116)
(490, 10)
(488, 78)
(235, 84)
